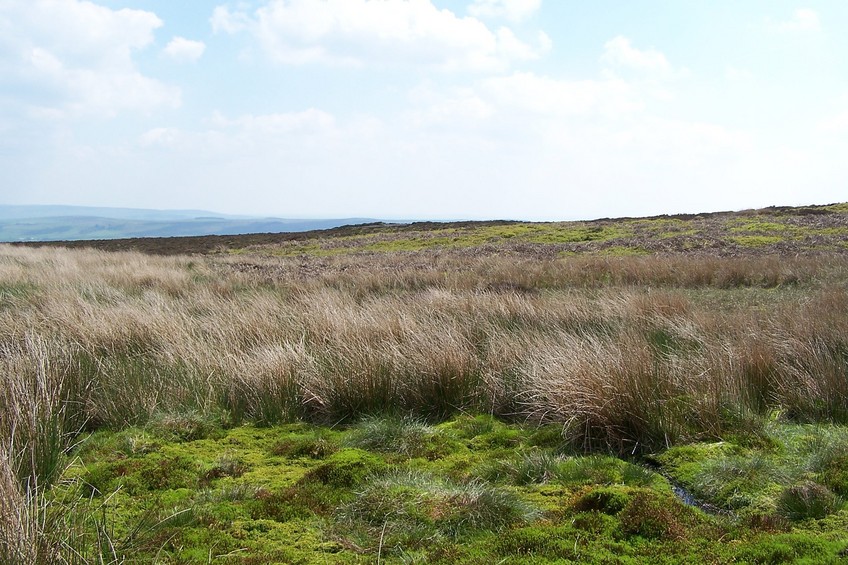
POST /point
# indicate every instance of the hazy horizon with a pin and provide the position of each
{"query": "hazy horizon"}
(423, 109)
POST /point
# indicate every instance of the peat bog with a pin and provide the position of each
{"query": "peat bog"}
(657, 390)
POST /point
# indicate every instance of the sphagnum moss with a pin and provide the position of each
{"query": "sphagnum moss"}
(629, 355)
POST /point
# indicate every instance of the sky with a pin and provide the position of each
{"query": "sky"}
(424, 109)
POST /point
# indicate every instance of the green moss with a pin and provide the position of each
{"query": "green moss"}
(758, 226)
(316, 445)
(547, 542)
(679, 233)
(299, 502)
(684, 462)
(595, 523)
(607, 500)
(407, 510)
(570, 233)
(158, 472)
(346, 468)
(841, 208)
(653, 515)
(500, 436)
(837, 232)
(294, 494)
(790, 548)
(831, 464)
(550, 436)
(767, 476)
(469, 427)
(756, 240)
(450, 238)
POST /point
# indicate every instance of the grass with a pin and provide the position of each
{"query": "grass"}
(506, 401)
(241, 349)
(264, 494)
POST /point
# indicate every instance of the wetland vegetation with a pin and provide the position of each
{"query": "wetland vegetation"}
(663, 390)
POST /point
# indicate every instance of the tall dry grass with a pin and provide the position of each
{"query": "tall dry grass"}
(637, 351)
(627, 354)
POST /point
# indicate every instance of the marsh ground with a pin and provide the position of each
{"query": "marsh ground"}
(621, 391)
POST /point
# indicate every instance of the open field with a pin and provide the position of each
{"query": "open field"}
(621, 391)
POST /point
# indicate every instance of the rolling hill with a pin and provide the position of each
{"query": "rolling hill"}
(73, 223)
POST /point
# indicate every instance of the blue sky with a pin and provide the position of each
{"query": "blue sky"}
(527, 109)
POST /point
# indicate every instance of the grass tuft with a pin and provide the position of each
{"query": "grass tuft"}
(808, 500)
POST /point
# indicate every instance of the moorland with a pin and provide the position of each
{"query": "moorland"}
(637, 390)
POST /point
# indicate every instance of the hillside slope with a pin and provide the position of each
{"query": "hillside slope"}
(777, 230)
(72, 223)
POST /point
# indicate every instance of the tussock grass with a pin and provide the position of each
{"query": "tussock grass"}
(628, 353)
(414, 509)
(404, 436)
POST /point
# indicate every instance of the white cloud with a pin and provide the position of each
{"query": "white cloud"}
(735, 74)
(513, 10)
(251, 132)
(310, 120)
(161, 137)
(378, 32)
(458, 106)
(577, 148)
(618, 52)
(803, 19)
(538, 166)
(75, 58)
(81, 29)
(556, 97)
(224, 20)
(185, 50)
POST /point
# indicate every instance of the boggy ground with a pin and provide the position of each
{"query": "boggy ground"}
(495, 392)
(467, 490)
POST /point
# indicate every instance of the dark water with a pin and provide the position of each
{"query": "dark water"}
(685, 496)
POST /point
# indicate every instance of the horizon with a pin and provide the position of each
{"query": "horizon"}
(438, 110)
(236, 218)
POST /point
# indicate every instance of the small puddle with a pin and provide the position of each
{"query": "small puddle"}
(684, 495)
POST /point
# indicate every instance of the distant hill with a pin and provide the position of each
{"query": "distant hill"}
(75, 223)
(784, 231)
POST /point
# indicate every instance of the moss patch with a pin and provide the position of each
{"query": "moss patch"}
(469, 490)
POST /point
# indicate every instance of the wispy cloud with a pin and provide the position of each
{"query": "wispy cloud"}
(75, 58)
(185, 50)
(364, 33)
(513, 10)
(803, 20)
(619, 52)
